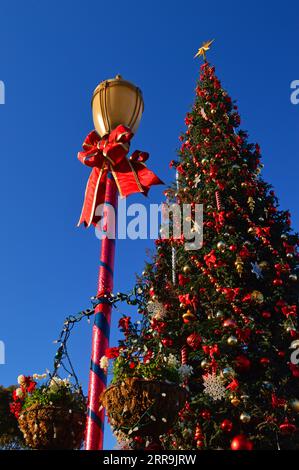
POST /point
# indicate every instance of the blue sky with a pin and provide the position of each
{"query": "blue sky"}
(52, 55)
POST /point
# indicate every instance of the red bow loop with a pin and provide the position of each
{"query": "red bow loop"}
(139, 156)
(109, 155)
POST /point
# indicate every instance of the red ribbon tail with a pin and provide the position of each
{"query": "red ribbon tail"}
(94, 195)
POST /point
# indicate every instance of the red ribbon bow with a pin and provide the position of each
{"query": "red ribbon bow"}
(210, 259)
(109, 155)
(233, 385)
(289, 310)
(211, 350)
(189, 299)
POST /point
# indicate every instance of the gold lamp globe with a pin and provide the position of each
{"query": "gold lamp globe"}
(114, 102)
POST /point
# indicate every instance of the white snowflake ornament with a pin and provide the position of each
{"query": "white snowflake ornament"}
(213, 386)
(156, 310)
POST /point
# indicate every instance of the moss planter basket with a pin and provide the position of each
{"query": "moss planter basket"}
(143, 407)
(51, 427)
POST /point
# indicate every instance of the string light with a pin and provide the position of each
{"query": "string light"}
(62, 358)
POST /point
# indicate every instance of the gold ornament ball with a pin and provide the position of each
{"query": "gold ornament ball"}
(295, 405)
(204, 161)
(188, 316)
(293, 277)
(219, 315)
(186, 269)
(245, 417)
(251, 231)
(290, 255)
(204, 364)
(228, 372)
(232, 341)
(264, 265)
(235, 401)
(257, 297)
(221, 245)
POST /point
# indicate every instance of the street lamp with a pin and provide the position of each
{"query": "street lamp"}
(115, 102)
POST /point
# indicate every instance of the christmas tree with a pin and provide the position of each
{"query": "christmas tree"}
(225, 315)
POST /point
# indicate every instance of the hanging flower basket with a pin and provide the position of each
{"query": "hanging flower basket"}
(49, 427)
(51, 415)
(10, 435)
(143, 407)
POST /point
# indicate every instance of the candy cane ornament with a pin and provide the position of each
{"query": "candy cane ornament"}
(218, 201)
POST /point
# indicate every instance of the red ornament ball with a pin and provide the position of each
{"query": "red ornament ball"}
(194, 341)
(152, 291)
(287, 428)
(226, 425)
(242, 364)
(264, 361)
(229, 323)
(206, 414)
(266, 315)
(241, 442)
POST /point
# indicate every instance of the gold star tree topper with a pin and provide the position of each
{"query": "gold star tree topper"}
(203, 49)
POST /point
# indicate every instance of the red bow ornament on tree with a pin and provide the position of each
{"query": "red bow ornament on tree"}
(108, 155)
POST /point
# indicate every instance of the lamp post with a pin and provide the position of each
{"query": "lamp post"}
(115, 102)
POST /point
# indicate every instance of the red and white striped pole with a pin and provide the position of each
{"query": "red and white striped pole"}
(94, 436)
